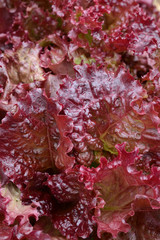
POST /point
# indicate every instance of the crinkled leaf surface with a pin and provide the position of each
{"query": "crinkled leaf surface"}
(107, 109)
(152, 83)
(33, 138)
(73, 216)
(35, 18)
(16, 211)
(139, 31)
(23, 65)
(17, 219)
(35, 191)
(121, 189)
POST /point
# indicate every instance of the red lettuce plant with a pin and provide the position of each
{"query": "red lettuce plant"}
(79, 120)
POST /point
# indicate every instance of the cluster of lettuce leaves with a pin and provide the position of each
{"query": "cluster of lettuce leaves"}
(80, 120)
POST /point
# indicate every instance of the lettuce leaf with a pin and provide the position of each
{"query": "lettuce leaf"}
(108, 108)
(33, 137)
(73, 216)
(122, 189)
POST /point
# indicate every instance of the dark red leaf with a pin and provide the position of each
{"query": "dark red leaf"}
(33, 137)
(108, 108)
(73, 217)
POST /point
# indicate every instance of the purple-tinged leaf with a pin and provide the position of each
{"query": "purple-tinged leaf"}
(33, 137)
(122, 190)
